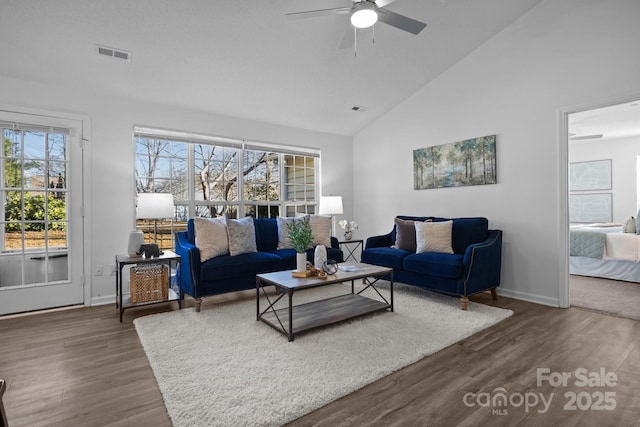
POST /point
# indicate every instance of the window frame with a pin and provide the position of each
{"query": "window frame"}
(245, 206)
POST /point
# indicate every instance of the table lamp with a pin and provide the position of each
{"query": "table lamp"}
(331, 205)
(155, 206)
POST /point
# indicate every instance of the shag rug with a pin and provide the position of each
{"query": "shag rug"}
(221, 367)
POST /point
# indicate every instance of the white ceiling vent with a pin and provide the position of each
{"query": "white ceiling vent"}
(114, 53)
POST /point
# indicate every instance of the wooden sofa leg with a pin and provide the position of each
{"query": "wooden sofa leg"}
(198, 304)
(464, 301)
(494, 294)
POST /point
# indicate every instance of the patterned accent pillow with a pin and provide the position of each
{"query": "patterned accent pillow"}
(321, 230)
(283, 231)
(211, 237)
(242, 236)
(434, 236)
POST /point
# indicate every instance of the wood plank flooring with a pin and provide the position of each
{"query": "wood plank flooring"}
(82, 367)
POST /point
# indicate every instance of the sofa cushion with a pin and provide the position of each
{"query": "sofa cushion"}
(405, 234)
(435, 264)
(385, 257)
(266, 234)
(467, 231)
(434, 237)
(242, 236)
(211, 237)
(229, 267)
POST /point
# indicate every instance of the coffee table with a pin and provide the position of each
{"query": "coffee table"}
(295, 319)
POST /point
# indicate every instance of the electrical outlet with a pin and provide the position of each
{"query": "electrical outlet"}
(98, 270)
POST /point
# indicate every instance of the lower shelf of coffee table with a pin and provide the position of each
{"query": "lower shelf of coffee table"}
(321, 313)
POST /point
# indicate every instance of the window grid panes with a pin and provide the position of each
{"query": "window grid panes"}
(34, 167)
(226, 180)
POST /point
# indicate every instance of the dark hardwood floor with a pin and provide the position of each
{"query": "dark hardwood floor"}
(82, 367)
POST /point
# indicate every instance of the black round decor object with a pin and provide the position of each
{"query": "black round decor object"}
(330, 266)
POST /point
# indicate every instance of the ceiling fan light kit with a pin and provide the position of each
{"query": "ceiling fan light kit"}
(364, 15)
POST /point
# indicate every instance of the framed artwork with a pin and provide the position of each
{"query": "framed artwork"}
(589, 176)
(594, 207)
(462, 163)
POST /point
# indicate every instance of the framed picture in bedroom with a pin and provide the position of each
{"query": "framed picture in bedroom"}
(595, 207)
(590, 176)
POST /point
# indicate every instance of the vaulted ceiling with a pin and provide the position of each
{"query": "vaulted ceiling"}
(244, 58)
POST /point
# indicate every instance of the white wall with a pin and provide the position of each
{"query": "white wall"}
(560, 55)
(111, 163)
(623, 153)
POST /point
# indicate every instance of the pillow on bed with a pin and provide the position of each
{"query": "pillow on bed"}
(629, 226)
(637, 224)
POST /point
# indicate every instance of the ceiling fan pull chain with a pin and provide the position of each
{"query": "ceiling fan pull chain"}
(355, 41)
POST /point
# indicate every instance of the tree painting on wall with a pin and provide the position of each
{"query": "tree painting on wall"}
(469, 162)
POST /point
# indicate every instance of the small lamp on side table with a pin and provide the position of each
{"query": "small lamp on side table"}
(331, 205)
(155, 206)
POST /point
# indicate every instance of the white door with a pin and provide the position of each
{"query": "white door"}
(41, 232)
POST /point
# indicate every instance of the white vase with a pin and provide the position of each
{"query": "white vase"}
(136, 239)
(301, 262)
(319, 256)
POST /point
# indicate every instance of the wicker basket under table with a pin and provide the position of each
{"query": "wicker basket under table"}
(149, 283)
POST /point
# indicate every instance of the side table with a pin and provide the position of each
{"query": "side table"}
(351, 246)
(168, 258)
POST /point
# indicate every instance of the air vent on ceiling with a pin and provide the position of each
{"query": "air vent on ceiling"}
(359, 108)
(114, 53)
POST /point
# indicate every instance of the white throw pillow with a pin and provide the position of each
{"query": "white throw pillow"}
(434, 237)
(629, 226)
(211, 237)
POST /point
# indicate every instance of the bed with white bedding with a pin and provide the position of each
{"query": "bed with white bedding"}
(603, 250)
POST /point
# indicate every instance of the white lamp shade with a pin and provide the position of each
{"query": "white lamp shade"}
(330, 205)
(154, 206)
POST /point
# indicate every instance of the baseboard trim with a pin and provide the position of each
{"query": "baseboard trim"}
(525, 296)
(103, 300)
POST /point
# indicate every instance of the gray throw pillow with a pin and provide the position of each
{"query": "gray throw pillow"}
(242, 236)
(405, 234)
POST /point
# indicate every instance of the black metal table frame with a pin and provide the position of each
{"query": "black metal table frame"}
(358, 243)
(120, 264)
(289, 292)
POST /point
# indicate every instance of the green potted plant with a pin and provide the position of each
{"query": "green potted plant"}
(301, 238)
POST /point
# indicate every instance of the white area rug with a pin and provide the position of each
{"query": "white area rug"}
(221, 367)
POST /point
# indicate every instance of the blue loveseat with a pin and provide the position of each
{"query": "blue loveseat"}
(473, 267)
(226, 273)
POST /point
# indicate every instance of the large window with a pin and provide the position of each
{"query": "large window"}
(211, 177)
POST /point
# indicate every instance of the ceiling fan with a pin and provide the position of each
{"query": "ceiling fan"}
(363, 14)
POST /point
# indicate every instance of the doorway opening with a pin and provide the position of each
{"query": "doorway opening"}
(603, 175)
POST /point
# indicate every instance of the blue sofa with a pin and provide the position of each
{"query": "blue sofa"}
(226, 273)
(473, 267)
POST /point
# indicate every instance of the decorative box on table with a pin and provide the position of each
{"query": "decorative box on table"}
(149, 283)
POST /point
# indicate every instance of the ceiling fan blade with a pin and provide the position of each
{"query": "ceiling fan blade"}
(400, 21)
(383, 3)
(349, 37)
(319, 12)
